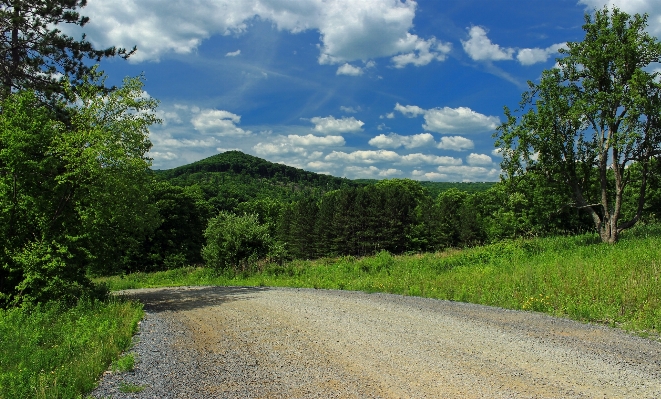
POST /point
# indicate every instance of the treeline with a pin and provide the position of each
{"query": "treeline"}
(397, 216)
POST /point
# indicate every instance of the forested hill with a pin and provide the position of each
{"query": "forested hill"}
(231, 164)
(233, 177)
(236, 162)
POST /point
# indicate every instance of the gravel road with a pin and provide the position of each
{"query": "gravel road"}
(237, 342)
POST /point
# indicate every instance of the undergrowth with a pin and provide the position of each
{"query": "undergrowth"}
(50, 352)
(576, 277)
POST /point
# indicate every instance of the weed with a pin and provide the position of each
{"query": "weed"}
(124, 363)
(126, 387)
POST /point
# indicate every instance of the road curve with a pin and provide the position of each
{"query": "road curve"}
(240, 342)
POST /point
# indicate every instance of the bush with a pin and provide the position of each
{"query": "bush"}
(236, 242)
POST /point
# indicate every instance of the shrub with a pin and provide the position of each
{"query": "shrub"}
(236, 242)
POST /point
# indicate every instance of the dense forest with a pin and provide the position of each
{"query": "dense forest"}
(307, 215)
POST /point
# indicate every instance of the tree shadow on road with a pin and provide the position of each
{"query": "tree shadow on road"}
(188, 298)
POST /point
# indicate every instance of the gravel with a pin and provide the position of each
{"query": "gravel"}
(240, 342)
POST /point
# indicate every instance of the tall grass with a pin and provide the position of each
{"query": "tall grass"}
(48, 352)
(576, 277)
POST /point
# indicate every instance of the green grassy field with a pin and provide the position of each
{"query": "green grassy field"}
(48, 353)
(53, 353)
(575, 277)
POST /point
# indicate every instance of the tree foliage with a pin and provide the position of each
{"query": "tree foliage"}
(36, 55)
(590, 118)
(236, 242)
(72, 196)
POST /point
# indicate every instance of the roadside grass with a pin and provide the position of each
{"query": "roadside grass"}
(576, 277)
(48, 352)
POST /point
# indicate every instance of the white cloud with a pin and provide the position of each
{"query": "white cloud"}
(330, 125)
(451, 120)
(233, 53)
(168, 117)
(370, 172)
(310, 139)
(390, 157)
(296, 144)
(469, 173)
(367, 156)
(458, 120)
(165, 141)
(425, 52)
(422, 175)
(418, 159)
(530, 56)
(394, 140)
(165, 156)
(478, 159)
(410, 111)
(218, 122)
(349, 110)
(349, 30)
(480, 48)
(350, 70)
(456, 143)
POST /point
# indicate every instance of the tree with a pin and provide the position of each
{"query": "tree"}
(590, 118)
(72, 197)
(236, 242)
(36, 55)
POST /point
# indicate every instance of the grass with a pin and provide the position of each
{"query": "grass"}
(125, 363)
(48, 352)
(576, 277)
(130, 388)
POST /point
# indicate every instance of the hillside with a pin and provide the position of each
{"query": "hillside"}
(233, 177)
(257, 178)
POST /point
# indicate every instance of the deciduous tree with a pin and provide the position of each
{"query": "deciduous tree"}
(591, 117)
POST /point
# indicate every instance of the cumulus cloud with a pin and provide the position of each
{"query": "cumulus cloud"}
(165, 141)
(433, 176)
(218, 122)
(296, 144)
(233, 53)
(451, 120)
(530, 56)
(410, 111)
(363, 156)
(309, 140)
(389, 157)
(480, 48)
(330, 125)
(278, 148)
(425, 52)
(418, 159)
(394, 140)
(456, 143)
(349, 110)
(349, 30)
(478, 159)
(165, 156)
(458, 120)
(350, 70)
(370, 172)
(469, 173)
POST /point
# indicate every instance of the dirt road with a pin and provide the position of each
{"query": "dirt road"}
(229, 342)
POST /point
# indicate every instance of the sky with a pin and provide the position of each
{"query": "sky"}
(353, 88)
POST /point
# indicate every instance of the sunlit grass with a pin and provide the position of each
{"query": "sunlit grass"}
(52, 353)
(576, 277)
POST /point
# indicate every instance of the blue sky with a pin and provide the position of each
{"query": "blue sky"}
(353, 88)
